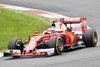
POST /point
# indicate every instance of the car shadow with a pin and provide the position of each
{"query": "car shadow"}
(77, 49)
(70, 50)
(26, 57)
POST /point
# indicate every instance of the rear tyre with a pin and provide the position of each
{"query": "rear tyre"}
(56, 43)
(16, 43)
(90, 38)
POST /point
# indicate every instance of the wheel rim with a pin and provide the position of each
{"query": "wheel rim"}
(95, 37)
(19, 44)
(59, 45)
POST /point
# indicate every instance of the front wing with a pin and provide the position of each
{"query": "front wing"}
(13, 52)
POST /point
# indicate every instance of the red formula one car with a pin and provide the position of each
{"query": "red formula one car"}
(65, 34)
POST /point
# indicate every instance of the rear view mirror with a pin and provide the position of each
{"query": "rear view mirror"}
(62, 20)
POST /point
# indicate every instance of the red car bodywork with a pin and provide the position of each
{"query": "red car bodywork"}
(68, 37)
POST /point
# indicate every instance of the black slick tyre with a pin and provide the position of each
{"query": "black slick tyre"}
(56, 42)
(16, 43)
(90, 38)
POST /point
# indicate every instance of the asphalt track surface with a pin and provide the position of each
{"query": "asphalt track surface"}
(83, 57)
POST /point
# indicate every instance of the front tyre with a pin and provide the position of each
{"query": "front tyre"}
(16, 43)
(90, 38)
(56, 43)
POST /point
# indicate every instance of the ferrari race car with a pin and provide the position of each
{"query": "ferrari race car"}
(64, 34)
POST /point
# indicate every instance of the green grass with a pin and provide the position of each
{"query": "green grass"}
(19, 24)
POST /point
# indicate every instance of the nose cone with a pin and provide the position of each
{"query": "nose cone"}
(31, 46)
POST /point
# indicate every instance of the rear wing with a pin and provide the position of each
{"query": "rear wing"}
(73, 20)
(78, 24)
(68, 20)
